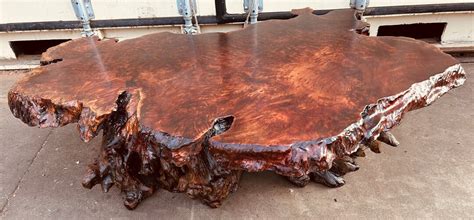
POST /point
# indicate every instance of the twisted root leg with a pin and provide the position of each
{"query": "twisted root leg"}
(332, 177)
(388, 138)
(327, 178)
(385, 137)
(374, 146)
(359, 153)
(103, 173)
(344, 165)
(134, 194)
(123, 161)
(92, 176)
(300, 181)
(137, 165)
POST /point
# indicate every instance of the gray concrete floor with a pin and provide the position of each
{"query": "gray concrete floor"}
(430, 175)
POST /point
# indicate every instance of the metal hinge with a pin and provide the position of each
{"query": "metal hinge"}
(253, 7)
(187, 8)
(84, 12)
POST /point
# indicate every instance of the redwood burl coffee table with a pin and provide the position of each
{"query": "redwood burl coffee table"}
(301, 97)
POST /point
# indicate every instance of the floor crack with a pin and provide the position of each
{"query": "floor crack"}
(11, 195)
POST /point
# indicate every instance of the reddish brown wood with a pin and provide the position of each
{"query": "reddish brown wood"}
(190, 113)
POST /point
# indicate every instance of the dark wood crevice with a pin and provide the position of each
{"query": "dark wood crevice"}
(44, 63)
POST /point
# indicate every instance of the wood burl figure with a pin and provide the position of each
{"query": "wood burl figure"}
(302, 97)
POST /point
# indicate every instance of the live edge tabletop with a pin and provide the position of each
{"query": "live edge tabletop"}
(189, 113)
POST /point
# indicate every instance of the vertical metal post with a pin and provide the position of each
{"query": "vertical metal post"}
(360, 5)
(254, 12)
(186, 9)
(188, 19)
(84, 12)
(253, 7)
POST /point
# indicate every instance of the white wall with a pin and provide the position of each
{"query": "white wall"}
(53, 10)
(235, 6)
(35, 10)
(116, 9)
(376, 3)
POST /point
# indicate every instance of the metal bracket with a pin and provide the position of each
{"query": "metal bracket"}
(187, 8)
(255, 6)
(247, 2)
(360, 5)
(84, 12)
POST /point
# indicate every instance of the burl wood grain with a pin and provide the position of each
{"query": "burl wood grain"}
(189, 113)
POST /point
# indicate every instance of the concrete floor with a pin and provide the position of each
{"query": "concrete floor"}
(430, 175)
